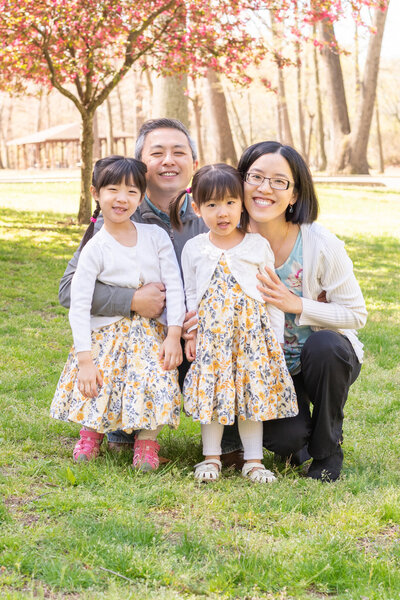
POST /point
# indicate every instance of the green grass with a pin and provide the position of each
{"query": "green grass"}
(53, 197)
(102, 531)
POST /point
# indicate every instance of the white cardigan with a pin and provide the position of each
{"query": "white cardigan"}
(327, 267)
(200, 258)
(106, 260)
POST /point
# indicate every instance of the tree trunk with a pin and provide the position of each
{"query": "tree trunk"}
(8, 133)
(357, 79)
(240, 134)
(110, 128)
(39, 120)
(219, 114)
(172, 98)
(358, 162)
(300, 113)
(250, 109)
(121, 108)
(197, 110)
(85, 201)
(321, 161)
(96, 139)
(2, 137)
(138, 95)
(379, 138)
(340, 124)
(283, 115)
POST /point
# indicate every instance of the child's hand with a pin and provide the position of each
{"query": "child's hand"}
(171, 350)
(190, 349)
(89, 376)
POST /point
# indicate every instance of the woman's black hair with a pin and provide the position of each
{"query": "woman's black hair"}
(213, 182)
(113, 170)
(305, 209)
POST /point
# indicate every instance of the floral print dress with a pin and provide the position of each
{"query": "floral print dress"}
(136, 393)
(239, 367)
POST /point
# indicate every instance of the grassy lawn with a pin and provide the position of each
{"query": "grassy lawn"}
(102, 531)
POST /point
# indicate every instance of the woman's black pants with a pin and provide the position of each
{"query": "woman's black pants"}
(329, 366)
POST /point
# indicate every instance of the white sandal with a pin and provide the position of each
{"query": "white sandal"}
(208, 470)
(257, 472)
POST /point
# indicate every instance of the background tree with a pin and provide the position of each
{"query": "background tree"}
(349, 152)
(83, 48)
(249, 109)
(172, 97)
(223, 139)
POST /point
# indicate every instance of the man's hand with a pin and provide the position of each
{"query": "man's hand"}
(149, 300)
(190, 321)
(89, 376)
(171, 349)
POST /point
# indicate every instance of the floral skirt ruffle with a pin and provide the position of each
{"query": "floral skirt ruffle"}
(239, 367)
(136, 392)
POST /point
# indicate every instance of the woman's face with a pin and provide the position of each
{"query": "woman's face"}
(264, 203)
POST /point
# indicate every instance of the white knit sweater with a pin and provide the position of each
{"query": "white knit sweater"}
(245, 260)
(103, 258)
(327, 267)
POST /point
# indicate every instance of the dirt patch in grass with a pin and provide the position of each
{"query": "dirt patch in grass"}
(383, 539)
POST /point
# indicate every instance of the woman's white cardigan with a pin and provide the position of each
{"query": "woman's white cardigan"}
(200, 258)
(327, 267)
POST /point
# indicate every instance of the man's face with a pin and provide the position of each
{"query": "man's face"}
(169, 161)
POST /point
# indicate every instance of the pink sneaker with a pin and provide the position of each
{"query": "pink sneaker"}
(88, 445)
(145, 457)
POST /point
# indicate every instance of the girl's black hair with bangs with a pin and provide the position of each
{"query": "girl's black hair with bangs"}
(213, 182)
(113, 170)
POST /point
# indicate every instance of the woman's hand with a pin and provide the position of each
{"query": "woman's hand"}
(89, 376)
(171, 349)
(276, 293)
(190, 321)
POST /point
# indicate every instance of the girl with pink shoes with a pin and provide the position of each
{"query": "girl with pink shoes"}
(122, 372)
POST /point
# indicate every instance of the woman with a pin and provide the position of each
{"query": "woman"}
(314, 285)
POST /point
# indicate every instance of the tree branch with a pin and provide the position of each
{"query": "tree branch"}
(131, 59)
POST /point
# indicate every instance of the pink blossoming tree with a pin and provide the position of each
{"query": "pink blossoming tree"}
(83, 48)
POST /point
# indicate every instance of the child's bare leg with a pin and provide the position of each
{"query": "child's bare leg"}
(149, 434)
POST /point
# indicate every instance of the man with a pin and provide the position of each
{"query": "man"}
(168, 151)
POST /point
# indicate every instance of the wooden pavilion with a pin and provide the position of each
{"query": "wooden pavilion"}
(58, 147)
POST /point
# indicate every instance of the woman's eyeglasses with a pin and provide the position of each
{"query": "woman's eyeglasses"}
(276, 183)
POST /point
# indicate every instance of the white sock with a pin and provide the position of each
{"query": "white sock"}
(212, 435)
(149, 434)
(251, 435)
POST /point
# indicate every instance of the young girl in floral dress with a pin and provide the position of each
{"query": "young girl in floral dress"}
(238, 365)
(122, 372)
